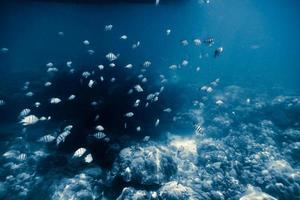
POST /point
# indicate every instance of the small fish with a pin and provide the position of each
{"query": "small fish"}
(22, 157)
(43, 118)
(209, 41)
(79, 152)
(218, 51)
(198, 129)
(71, 97)
(146, 138)
(4, 50)
(111, 57)
(2, 102)
(97, 117)
(150, 97)
(88, 158)
(68, 128)
(140, 76)
(108, 27)
(138, 88)
(29, 120)
(60, 33)
(130, 91)
(100, 67)
(99, 128)
(24, 112)
(184, 42)
(137, 103)
(55, 100)
(147, 64)
(147, 104)
(144, 80)
(138, 129)
(123, 37)
(29, 94)
(129, 114)
(168, 31)
(113, 79)
(37, 104)
(136, 45)
(50, 64)
(52, 69)
(91, 83)
(156, 122)
(197, 42)
(99, 135)
(86, 74)
(69, 63)
(101, 78)
(62, 137)
(185, 63)
(129, 66)
(209, 89)
(173, 67)
(86, 42)
(91, 52)
(219, 102)
(112, 64)
(47, 84)
(168, 110)
(198, 69)
(46, 139)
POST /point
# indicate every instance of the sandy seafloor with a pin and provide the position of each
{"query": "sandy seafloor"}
(232, 130)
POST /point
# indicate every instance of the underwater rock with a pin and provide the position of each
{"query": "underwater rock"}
(145, 165)
(175, 191)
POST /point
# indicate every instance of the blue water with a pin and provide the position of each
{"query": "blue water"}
(260, 62)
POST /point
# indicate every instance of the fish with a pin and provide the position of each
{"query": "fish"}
(47, 84)
(198, 69)
(68, 128)
(91, 52)
(86, 74)
(99, 128)
(112, 64)
(129, 114)
(113, 79)
(219, 102)
(88, 158)
(137, 103)
(197, 42)
(99, 135)
(79, 152)
(62, 137)
(4, 50)
(209, 41)
(144, 80)
(138, 129)
(29, 94)
(46, 138)
(2, 102)
(198, 129)
(22, 157)
(52, 69)
(218, 51)
(147, 104)
(69, 63)
(108, 27)
(55, 100)
(91, 83)
(184, 42)
(101, 78)
(140, 76)
(168, 31)
(138, 88)
(147, 63)
(173, 66)
(29, 120)
(129, 66)
(136, 45)
(146, 138)
(100, 67)
(37, 104)
(71, 97)
(111, 57)
(156, 122)
(50, 64)
(86, 42)
(130, 91)
(150, 97)
(123, 37)
(24, 112)
(168, 110)
(60, 33)
(43, 118)
(185, 63)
